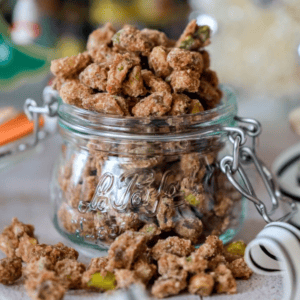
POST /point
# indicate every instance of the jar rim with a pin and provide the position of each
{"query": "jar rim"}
(84, 121)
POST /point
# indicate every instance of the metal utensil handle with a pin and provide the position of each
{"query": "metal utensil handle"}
(245, 155)
(33, 112)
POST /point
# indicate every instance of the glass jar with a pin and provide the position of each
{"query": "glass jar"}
(157, 175)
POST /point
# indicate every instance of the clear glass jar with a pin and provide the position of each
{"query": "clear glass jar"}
(151, 174)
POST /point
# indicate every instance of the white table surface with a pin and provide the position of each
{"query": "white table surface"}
(24, 194)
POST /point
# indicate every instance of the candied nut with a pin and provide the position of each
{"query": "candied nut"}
(165, 213)
(36, 266)
(192, 166)
(70, 66)
(169, 265)
(105, 103)
(173, 245)
(119, 68)
(157, 38)
(132, 40)
(126, 278)
(150, 230)
(206, 59)
(201, 284)
(69, 272)
(125, 249)
(45, 287)
(194, 263)
(164, 286)
(189, 228)
(73, 92)
(225, 283)
(181, 104)
(10, 270)
(134, 85)
(93, 272)
(240, 269)
(157, 104)
(195, 107)
(223, 205)
(208, 94)
(58, 82)
(29, 249)
(194, 37)
(128, 221)
(100, 36)
(102, 55)
(210, 77)
(156, 84)
(158, 61)
(9, 238)
(94, 76)
(212, 246)
(144, 270)
(180, 59)
(215, 261)
(185, 80)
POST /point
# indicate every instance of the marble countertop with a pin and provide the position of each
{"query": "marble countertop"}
(24, 194)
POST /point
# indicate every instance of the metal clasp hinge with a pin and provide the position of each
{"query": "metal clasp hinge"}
(244, 155)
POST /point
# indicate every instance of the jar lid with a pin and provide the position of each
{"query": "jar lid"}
(287, 170)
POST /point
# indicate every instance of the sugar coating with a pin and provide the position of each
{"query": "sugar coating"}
(157, 38)
(208, 94)
(10, 270)
(102, 55)
(157, 104)
(173, 245)
(185, 80)
(225, 282)
(165, 214)
(158, 61)
(201, 284)
(126, 278)
(155, 84)
(144, 270)
(68, 66)
(101, 36)
(94, 76)
(240, 269)
(134, 85)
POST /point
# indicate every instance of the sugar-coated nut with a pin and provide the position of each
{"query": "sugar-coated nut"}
(206, 59)
(189, 228)
(169, 265)
(215, 261)
(212, 246)
(240, 269)
(225, 282)
(68, 66)
(194, 37)
(144, 270)
(46, 286)
(185, 80)
(180, 59)
(223, 205)
(208, 94)
(125, 249)
(125, 278)
(101, 36)
(73, 92)
(194, 263)
(105, 103)
(165, 286)
(70, 272)
(201, 284)
(158, 38)
(94, 76)
(165, 214)
(37, 265)
(131, 39)
(158, 61)
(155, 84)
(102, 55)
(157, 104)
(181, 104)
(173, 245)
(150, 229)
(128, 221)
(118, 70)
(134, 85)
(10, 270)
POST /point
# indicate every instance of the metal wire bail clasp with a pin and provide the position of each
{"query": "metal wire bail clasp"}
(242, 155)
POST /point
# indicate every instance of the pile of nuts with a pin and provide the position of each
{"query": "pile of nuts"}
(165, 266)
(140, 73)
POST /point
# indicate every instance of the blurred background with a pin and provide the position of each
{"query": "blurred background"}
(255, 45)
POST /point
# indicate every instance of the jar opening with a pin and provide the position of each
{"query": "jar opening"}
(86, 122)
